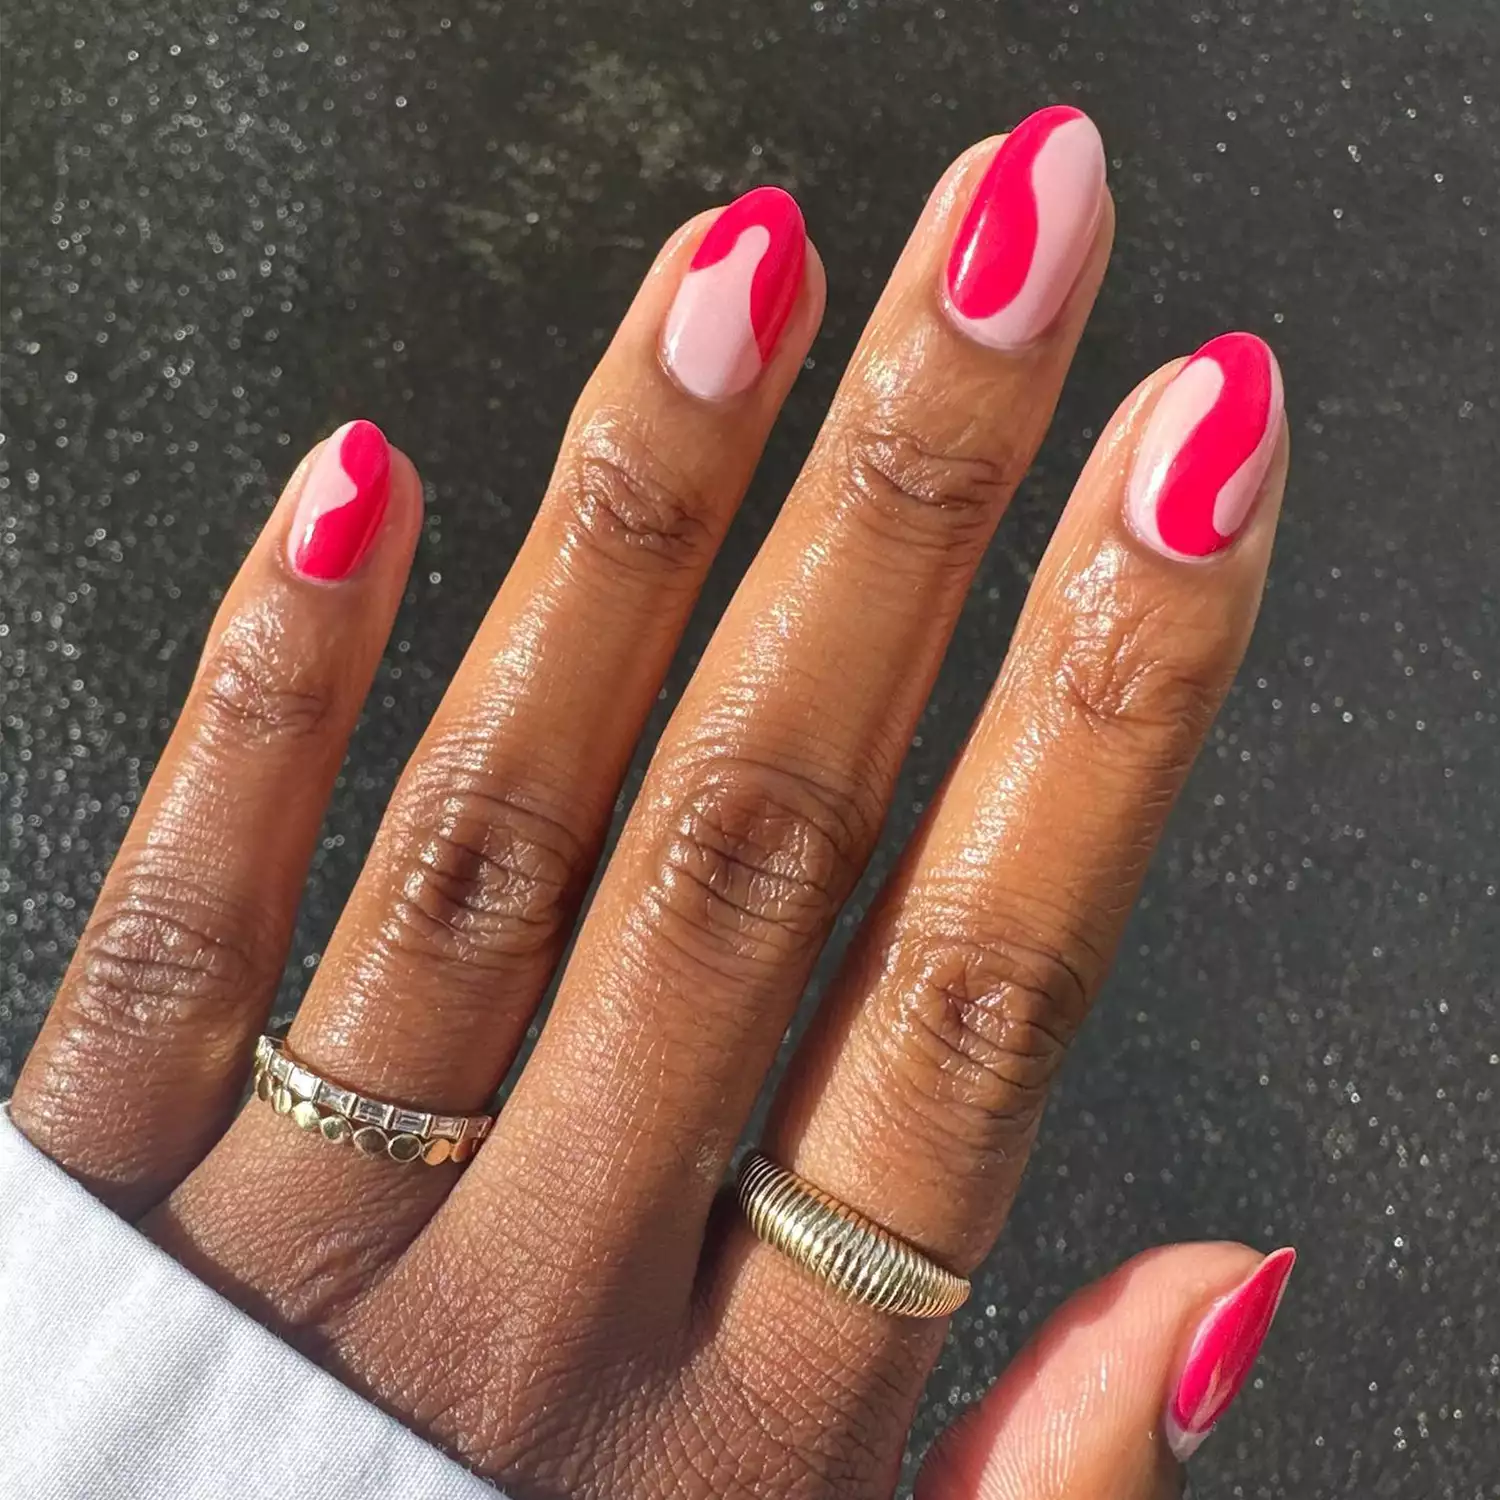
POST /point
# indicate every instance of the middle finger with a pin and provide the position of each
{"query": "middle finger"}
(771, 782)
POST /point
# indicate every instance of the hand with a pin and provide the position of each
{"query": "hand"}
(571, 1314)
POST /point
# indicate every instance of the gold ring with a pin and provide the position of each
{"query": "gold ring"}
(843, 1248)
(372, 1126)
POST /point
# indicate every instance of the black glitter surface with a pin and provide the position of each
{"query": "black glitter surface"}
(230, 226)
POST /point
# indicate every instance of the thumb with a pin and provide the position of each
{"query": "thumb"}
(1120, 1385)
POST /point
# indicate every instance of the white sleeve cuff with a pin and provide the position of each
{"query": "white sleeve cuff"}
(122, 1375)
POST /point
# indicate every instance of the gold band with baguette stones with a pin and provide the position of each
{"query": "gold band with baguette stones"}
(373, 1126)
(843, 1248)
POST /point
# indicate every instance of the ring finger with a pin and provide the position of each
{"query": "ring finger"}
(451, 935)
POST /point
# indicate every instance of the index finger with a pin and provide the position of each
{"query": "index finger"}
(918, 1091)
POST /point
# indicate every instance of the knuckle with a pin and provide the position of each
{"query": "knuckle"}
(253, 687)
(626, 503)
(984, 1024)
(947, 500)
(1140, 672)
(152, 963)
(756, 861)
(488, 877)
(163, 992)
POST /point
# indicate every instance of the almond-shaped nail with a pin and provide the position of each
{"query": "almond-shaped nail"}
(739, 290)
(1028, 230)
(342, 503)
(1206, 450)
(1222, 1352)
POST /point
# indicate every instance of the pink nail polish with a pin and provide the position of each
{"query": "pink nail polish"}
(738, 292)
(1222, 1352)
(1206, 449)
(1028, 230)
(342, 503)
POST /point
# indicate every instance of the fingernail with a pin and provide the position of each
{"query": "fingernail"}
(737, 294)
(1222, 1352)
(1028, 229)
(342, 503)
(1206, 450)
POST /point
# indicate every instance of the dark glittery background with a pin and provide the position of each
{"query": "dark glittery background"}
(229, 226)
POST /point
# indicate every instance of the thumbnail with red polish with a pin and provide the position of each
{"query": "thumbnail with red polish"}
(1206, 449)
(1222, 1352)
(342, 503)
(739, 290)
(1028, 230)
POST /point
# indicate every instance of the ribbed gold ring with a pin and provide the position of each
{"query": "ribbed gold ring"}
(374, 1127)
(843, 1248)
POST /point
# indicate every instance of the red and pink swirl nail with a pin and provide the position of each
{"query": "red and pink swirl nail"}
(737, 295)
(1224, 1348)
(1028, 230)
(1204, 455)
(342, 503)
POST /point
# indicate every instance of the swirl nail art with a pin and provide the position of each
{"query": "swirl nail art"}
(342, 503)
(1206, 449)
(1223, 1350)
(739, 290)
(1028, 230)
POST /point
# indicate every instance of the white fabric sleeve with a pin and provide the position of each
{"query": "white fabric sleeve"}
(122, 1375)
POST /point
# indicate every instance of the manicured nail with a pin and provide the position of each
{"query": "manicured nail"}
(1222, 1352)
(1028, 229)
(342, 503)
(737, 294)
(1206, 449)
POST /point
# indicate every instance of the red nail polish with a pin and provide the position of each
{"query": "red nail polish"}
(737, 294)
(342, 503)
(1206, 449)
(1223, 1350)
(1028, 230)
